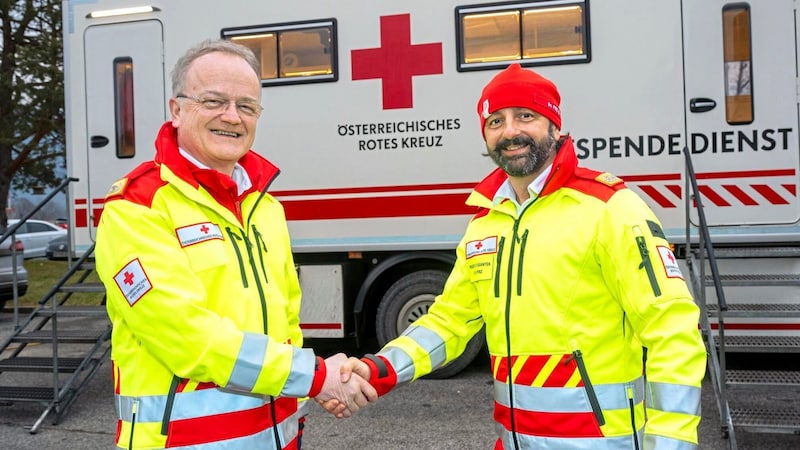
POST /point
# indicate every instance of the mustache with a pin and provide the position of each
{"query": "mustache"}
(516, 140)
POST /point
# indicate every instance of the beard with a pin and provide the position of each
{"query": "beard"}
(527, 163)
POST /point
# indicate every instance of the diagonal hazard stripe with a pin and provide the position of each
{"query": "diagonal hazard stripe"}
(770, 194)
(712, 196)
(538, 370)
(740, 195)
(651, 192)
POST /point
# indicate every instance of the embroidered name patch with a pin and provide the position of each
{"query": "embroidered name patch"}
(482, 247)
(670, 263)
(133, 282)
(200, 232)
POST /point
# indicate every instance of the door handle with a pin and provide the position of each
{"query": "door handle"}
(701, 104)
(98, 141)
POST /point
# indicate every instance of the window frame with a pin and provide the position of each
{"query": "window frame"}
(521, 6)
(250, 30)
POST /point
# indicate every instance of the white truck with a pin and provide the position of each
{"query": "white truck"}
(370, 112)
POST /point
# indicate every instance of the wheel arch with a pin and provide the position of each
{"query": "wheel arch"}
(384, 274)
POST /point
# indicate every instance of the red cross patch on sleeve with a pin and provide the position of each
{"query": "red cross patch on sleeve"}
(670, 263)
(132, 281)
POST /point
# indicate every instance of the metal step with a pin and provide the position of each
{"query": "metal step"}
(39, 364)
(767, 420)
(756, 310)
(83, 336)
(81, 310)
(760, 344)
(756, 280)
(26, 394)
(763, 377)
(757, 252)
(83, 287)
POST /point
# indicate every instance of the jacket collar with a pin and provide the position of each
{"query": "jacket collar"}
(564, 166)
(259, 169)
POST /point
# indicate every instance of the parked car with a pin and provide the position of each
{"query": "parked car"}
(35, 235)
(57, 248)
(7, 271)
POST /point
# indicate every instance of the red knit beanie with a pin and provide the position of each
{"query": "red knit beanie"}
(521, 88)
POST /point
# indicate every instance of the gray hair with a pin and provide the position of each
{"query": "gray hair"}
(204, 48)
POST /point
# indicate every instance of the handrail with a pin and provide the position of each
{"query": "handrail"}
(12, 231)
(705, 236)
(13, 228)
(704, 242)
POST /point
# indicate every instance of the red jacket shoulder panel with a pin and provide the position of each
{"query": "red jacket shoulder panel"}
(139, 186)
(601, 185)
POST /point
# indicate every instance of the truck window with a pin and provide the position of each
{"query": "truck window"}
(123, 107)
(532, 34)
(738, 67)
(291, 53)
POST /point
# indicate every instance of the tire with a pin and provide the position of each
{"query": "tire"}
(406, 301)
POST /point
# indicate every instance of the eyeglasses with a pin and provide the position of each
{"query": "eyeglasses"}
(219, 105)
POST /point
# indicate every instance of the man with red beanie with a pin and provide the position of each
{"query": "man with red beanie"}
(591, 329)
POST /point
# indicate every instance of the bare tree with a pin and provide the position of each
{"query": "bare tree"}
(32, 142)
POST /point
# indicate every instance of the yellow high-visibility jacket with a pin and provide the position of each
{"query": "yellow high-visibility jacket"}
(591, 329)
(204, 302)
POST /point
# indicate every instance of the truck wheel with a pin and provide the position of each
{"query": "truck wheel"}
(406, 301)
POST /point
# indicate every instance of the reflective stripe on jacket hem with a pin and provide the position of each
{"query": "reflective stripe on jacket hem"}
(556, 443)
(568, 399)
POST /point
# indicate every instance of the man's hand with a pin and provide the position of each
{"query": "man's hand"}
(354, 365)
(344, 395)
(348, 368)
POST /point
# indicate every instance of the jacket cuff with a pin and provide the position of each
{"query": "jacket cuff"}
(381, 374)
(320, 371)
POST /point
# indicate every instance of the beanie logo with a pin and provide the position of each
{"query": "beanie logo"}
(486, 109)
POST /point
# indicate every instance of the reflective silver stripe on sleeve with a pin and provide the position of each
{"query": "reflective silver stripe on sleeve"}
(677, 398)
(249, 362)
(401, 363)
(431, 342)
(653, 441)
(568, 399)
(302, 374)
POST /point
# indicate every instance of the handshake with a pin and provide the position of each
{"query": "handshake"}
(345, 389)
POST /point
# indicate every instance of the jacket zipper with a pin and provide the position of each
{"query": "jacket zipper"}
(646, 263)
(497, 267)
(235, 237)
(264, 316)
(510, 381)
(173, 388)
(133, 423)
(522, 244)
(588, 387)
(262, 250)
(633, 417)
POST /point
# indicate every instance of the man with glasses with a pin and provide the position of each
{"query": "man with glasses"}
(201, 285)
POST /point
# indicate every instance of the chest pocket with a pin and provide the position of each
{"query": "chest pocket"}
(207, 255)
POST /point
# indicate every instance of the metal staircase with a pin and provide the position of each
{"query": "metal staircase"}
(50, 357)
(759, 276)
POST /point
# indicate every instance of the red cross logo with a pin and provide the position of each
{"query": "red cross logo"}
(396, 61)
(479, 245)
(204, 229)
(671, 258)
(128, 278)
